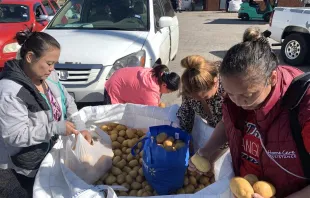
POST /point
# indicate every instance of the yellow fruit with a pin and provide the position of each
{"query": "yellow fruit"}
(265, 189)
(160, 138)
(202, 164)
(241, 188)
(252, 179)
(168, 143)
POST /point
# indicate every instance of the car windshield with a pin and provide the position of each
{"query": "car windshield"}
(129, 15)
(11, 13)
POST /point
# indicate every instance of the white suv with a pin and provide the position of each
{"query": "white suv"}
(98, 37)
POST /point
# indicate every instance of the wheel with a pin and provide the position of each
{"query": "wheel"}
(294, 49)
(245, 17)
(267, 17)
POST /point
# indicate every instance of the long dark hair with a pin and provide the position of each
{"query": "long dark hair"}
(36, 42)
(163, 75)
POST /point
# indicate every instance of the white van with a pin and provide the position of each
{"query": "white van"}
(98, 37)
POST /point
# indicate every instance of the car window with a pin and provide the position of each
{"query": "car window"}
(157, 12)
(48, 8)
(168, 8)
(13, 13)
(129, 15)
(39, 11)
(55, 5)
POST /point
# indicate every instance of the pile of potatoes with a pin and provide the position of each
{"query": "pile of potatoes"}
(169, 143)
(127, 169)
(245, 187)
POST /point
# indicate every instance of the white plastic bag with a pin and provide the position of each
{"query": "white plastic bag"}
(87, 161)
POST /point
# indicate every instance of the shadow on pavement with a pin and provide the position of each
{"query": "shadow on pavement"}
(234, 22)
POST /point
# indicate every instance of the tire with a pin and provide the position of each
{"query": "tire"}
(245, 17)
(267, 17)
(294, 49)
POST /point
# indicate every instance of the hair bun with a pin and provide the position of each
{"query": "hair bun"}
(22, 36)
(193, 62)
(252, 34)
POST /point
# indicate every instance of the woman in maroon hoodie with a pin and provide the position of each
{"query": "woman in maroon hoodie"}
(255, 123)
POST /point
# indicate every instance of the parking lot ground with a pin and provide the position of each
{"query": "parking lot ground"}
(209, 34)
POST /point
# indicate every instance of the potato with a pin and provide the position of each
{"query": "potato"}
(139, 179)
(241, 188)
(133, 193)
(252, 179)
(189, 189)
(125, 143)
(136, 168)
(140, 192)
(204, 180)
(130, 133)
(120, 127)
(148, 188)
(265, 189)
(120, 179)
(192, 180)
(120, 139)
(116, 171)
(126, 169)
(140, 145)
(124, 156)
(186, 181)
(181, 191)
(128, 151)
(129, 157)
(140, 133)
(171, 139)
(113, 137)
(114, 132)
(121, 164)
(167, 143)
(201, 163)
(141, 154)
(112, 124)
(124, 149)
(160, 138)
(136, 186)
(118, 152)
(141, 161)
(199, 188)
(123, 193)
(122, 133)
(133, 163)
(116, 145)
(144, 184)
(133, 173)
(126, 185)
(104, 128)
(129, 179)
(146, 194)
(116, 159)
(104, 176)
(133, 142)
(140, 171)
(179, 145)
(110, 180)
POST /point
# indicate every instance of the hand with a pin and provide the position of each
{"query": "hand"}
(87, 136)
(70, 129)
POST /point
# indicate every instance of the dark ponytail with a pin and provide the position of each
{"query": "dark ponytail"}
(163, 75)
(36, 42)
(252, 59)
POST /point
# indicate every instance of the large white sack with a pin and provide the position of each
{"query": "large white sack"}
(234, 5)
(61, 182)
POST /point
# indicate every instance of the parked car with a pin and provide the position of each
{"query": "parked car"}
(99, 37)
(16, 15)
(290, 28)
(250, 10)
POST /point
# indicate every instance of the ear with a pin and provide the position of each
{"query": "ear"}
(30, 57)
(164, 84)
(273, 78)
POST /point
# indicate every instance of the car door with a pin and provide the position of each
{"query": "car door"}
(49, 9)
(174, 29)
(162, 35)
(39, 24)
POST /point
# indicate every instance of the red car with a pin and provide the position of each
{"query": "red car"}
(17, 15)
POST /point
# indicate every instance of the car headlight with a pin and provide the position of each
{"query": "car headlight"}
(10, 48)
(132, 60)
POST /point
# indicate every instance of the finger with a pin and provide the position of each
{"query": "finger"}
(73, 131)
(88, 138)
(71, 124)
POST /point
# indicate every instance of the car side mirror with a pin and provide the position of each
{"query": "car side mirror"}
(165, 22)
(42, 18)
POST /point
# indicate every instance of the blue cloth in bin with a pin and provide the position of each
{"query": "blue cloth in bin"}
(164, 170)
